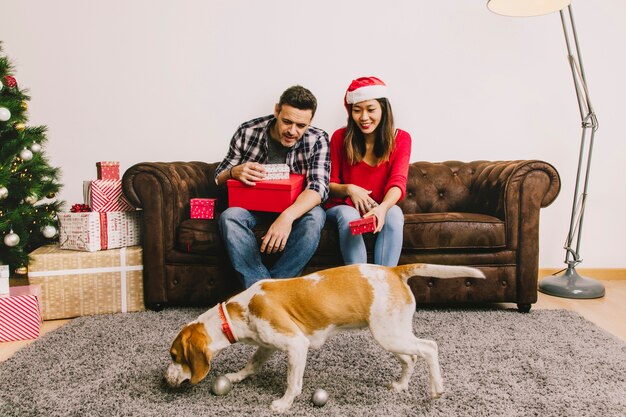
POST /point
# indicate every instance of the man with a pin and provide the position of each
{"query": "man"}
(284, 137)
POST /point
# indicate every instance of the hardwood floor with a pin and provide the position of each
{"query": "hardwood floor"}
(607, 312)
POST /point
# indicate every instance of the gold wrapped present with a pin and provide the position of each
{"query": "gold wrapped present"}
(84, 283)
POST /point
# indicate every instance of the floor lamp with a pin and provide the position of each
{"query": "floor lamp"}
(570, 284)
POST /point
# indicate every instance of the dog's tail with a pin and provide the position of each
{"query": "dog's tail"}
(437, 271)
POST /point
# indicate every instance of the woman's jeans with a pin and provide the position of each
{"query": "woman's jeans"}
(388, 240)
(236, 227)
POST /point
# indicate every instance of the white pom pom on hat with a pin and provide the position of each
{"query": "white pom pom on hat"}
(365, 88)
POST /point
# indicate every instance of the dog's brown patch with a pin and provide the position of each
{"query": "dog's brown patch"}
(235, 310)
(339, 296)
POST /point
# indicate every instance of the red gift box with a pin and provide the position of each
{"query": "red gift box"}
(108, 170)
(272, 195)
(20, 313)
(360, 226)
(202, 208)
(105, 196)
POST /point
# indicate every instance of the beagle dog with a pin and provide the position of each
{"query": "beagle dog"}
(293, 315)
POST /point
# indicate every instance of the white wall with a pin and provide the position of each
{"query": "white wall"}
(156, 80)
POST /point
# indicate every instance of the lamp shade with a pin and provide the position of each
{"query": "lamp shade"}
(524, 8)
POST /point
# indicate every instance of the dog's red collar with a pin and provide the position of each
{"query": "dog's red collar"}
(226, 328)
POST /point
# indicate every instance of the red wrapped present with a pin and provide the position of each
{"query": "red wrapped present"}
(108, 170)
(360, 226)
(274, 195)
(202, 208)
(105, 195)
(20, 313)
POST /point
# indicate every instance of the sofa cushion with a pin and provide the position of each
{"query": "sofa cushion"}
(422, 231)
(199, 236)
(436, 231)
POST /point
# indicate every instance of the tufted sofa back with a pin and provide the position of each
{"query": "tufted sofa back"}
(455, 186)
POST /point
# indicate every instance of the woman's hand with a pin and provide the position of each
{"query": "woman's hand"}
(361, 198)
(381, 213)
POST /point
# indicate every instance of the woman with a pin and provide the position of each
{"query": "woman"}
(369, 167)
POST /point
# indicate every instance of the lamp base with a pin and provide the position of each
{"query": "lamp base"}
(571, 285)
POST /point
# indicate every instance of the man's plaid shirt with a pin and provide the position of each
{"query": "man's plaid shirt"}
(310, 156)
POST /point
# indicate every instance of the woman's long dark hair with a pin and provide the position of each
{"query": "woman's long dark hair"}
(384, 143)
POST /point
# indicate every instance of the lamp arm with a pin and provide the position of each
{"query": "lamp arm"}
(587, 113)
(589, 122)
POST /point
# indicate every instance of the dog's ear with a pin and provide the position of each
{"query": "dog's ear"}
(196, 351)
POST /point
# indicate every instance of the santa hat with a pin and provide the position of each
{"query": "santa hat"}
(365, 88)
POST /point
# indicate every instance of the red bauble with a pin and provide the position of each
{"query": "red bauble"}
(10, 81)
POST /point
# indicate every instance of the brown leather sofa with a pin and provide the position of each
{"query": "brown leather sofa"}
(482, 214)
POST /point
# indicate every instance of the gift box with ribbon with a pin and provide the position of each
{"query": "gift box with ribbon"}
(93, 231)
(83, 283)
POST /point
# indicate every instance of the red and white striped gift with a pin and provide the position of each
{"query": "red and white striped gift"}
(20, 313)
(105, 195)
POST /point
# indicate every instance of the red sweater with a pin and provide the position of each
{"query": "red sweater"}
(379, 179)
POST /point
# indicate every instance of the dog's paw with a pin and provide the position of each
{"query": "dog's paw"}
(234, 377)
(434, 395)
(398, 387)
(280, 406)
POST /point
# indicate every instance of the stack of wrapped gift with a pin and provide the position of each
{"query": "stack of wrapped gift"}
(275, 193)
(111, 223)
(93, 280)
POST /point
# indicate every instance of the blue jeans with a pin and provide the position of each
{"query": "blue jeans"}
(388, 240)
(236, 227)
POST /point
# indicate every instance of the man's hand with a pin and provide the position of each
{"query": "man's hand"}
(248, 173)
(276, 237)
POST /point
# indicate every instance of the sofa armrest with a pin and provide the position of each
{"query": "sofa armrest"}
(163, 190)
(514, 191)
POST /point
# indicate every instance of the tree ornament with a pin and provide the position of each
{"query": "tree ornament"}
(10, 81)
(24, 105)
(49, 231)
(5, 114)
(20, 127)
(4, 193)
(31, 199)
(22, 270)
(26, 155)
(35, 147)
(1, 86)
(51, 195)
(11, 239)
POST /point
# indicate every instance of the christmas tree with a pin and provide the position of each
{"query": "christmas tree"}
(28, 184)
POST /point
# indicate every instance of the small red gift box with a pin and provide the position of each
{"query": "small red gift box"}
(273, 195)
(20, 313)
(360, 226)
(202, 208)
(108, 170)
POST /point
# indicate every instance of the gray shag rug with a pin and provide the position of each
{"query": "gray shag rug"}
(494, 362)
